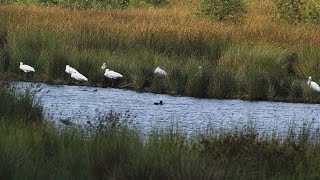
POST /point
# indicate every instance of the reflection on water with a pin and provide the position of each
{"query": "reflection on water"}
(80, 103)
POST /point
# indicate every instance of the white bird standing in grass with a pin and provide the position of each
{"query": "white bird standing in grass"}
(160, 72)
(314, 86)
(110, 74)
(26, 68)
(70, 70)
(78, 76)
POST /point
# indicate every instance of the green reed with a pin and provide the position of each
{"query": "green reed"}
(240, 70)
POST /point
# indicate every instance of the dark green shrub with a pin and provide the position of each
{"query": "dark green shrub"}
(13, 1)
(88, 4)
(223, 9)
(290, 10)
(298, 10)
(157, 2)
(116, 4)
(313, 11)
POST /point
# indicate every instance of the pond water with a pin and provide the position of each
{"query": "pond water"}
(81, 103)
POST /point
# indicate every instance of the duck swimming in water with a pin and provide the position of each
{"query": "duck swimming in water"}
(158, 103)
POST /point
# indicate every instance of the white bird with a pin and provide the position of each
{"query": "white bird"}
(70, 70)
(104, 66)
(78, 76)
(313, 85)
(26, 68)
(112, 74)
(160, 72)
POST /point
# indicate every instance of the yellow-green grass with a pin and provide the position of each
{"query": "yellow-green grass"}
(259, 59)
(175, 22)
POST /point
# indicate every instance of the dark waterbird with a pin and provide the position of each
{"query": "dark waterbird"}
(158, 103)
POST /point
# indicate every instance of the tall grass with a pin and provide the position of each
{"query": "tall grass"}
(19, 106)
(241, 70)
(250, 61)
(37, 151)
(174, 23)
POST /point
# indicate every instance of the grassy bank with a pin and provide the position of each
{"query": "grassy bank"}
(260, 59)
(39, 150)
(36, 151)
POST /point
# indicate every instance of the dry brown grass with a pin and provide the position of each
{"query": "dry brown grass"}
(178, 21)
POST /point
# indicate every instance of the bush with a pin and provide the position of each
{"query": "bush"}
(88, 4)
(314, 11)
(156, 2)
(223, 9)
(290, 10)
(298, 10)
(117, 4)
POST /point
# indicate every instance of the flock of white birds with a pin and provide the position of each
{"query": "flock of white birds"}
(115, 75)
(79, 77)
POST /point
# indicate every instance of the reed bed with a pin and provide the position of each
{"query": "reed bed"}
(259, 59)
(258, 26)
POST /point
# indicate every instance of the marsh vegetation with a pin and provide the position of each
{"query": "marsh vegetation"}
(258, 50)
(260, 57)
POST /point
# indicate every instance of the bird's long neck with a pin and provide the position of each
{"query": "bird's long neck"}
(309, 82)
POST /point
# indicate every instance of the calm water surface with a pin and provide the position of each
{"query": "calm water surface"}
(82, 103)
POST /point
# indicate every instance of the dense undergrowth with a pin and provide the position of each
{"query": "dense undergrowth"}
(34, 149)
